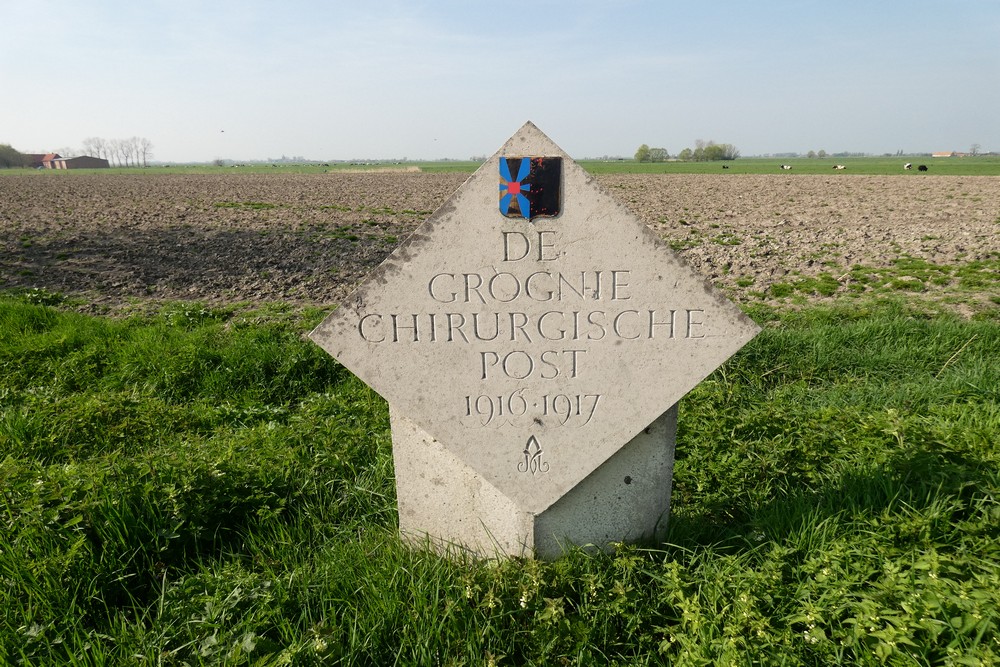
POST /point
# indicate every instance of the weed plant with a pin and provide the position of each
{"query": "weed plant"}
(202, 487)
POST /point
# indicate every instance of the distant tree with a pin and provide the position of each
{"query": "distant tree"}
(714, 151)
(129, 148)
(811, 154)
(709, 151)
(699, 150)
(642, 154)
(120, 152)
(92, 146)
(658, 155)
(114, 152)
(729, 152)
(145, 151)
(10, 157)
(974, 149)
(821, 153)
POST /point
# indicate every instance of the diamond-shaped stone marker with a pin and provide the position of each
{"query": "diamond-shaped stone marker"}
(533, 346)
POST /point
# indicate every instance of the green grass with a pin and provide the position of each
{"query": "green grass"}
(965, 282)
(204, 486)
(988, 165)
(446, 166)
(977, 166)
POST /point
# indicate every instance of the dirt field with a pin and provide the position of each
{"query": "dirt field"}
(116, 241)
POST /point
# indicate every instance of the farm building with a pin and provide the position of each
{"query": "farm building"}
(81, 162)
(40, 160)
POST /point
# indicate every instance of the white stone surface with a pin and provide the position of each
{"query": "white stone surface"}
(446, 504)
(625, 499)
(596, 331)
(531, 365)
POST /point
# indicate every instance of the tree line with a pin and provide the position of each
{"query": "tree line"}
(11, 157)
(704, 151)
(131, 152)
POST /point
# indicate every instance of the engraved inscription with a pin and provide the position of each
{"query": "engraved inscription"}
(532, 461)
(531, 323)
(520, 409)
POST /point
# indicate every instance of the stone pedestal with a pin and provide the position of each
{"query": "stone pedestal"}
(444, 502)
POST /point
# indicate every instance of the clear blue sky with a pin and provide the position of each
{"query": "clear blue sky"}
(428, 79)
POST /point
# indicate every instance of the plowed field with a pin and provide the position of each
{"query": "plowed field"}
(114, 240)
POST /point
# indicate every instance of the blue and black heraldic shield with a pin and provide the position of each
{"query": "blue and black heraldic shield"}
(530, 187)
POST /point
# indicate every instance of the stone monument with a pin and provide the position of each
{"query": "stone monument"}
(532, 339)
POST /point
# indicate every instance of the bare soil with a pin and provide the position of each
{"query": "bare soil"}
(113, 241)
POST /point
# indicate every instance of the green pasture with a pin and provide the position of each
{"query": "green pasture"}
(872, 166)
(965, 166)
(261, 168)
(204, 486)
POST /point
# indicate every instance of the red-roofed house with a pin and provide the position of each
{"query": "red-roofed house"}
(40, 160)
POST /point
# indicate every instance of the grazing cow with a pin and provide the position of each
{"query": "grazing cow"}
(922, 167)
(786, 167)
(725, 166)
(908, 166)
(838, 167)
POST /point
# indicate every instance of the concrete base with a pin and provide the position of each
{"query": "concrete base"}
(444, 502)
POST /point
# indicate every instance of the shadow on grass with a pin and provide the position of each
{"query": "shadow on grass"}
(913, 480)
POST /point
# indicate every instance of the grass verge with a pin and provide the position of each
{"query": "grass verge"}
(205, 487)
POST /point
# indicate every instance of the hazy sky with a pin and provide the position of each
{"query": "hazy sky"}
(427, 79)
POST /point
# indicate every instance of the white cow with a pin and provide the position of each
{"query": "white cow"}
(786, 167)
(838, 167)
(908, 166)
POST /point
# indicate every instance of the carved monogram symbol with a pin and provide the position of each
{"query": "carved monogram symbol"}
(533, 462)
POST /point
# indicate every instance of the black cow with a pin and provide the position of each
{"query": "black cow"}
(922, 167)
